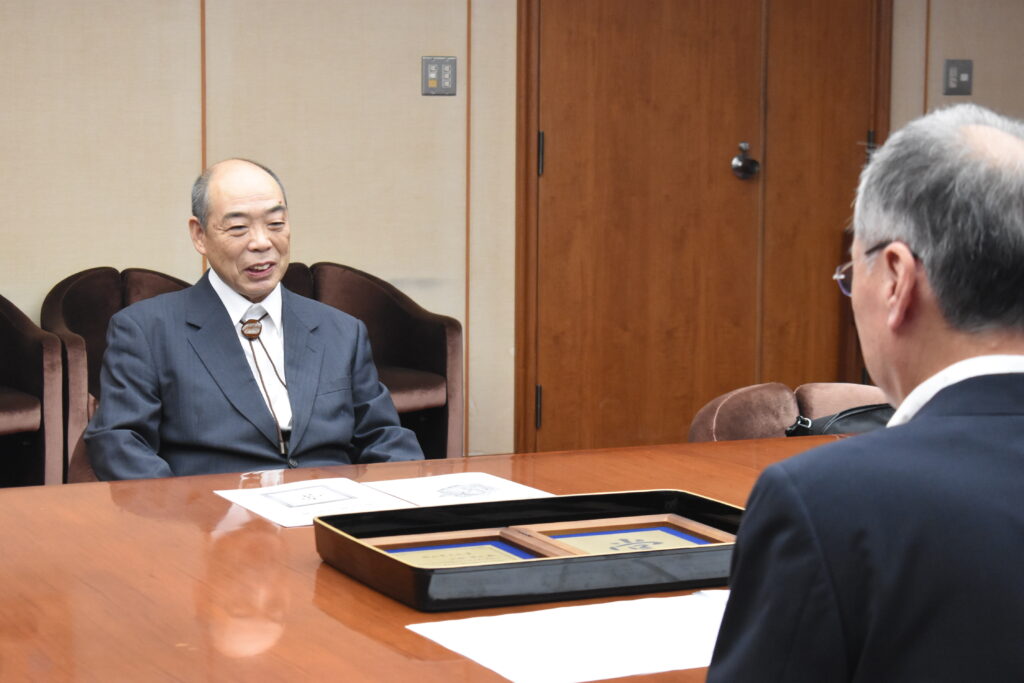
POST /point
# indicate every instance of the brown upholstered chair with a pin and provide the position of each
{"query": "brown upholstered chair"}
(299, 279)
(418, 353)
(819, 399)
(78, 310)
(755, 412)
(31, 433)
(766, 410)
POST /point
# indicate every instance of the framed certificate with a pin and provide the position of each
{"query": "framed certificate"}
(461, 554)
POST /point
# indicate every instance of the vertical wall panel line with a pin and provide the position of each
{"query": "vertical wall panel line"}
(469, 186)
(202, 82)
(759, 334)
(202, 95)
(927, 51)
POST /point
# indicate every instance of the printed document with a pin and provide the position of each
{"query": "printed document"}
(297, 503)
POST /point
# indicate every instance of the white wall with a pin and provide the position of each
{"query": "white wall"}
(101, 138)
(328, 95)
(928, 32)
(492, 228)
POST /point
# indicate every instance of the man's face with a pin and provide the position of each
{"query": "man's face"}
(246, 238)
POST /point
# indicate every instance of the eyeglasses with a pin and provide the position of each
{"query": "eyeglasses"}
(844, 273)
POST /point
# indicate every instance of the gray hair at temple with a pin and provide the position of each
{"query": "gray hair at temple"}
(200, 201)
(950, 185)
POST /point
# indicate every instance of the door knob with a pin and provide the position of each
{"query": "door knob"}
(743, 167)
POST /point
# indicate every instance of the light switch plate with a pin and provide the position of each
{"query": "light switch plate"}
(437, 75)
(957, 77)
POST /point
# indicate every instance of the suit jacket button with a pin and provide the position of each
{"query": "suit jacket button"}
(292, 462)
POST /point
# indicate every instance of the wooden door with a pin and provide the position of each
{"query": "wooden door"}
(647, 244)
(827, 98)
(650, 278)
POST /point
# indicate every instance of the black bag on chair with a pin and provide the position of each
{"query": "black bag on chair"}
(850, 421)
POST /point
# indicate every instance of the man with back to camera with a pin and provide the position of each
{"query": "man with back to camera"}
(896, 555)
(236, 372)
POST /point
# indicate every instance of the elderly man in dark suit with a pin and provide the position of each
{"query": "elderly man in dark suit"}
(896, 555)
(237, 373)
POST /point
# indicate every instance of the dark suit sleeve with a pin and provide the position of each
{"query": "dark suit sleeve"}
(782, 620)
(377, 435)
(123, 437)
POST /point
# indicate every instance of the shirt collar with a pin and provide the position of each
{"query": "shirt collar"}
(957, 372)
(237, 305)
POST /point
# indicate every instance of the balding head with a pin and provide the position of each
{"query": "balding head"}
(200, 189)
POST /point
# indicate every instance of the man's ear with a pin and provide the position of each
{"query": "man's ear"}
(902, 270)
(198, 235)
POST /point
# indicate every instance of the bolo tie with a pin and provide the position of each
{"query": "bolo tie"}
(251, 330)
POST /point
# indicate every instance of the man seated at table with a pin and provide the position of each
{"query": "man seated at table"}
(237, 373)
(896, 555)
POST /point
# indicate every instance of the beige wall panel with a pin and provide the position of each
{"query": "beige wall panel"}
(989, 32)
(909, 33)
(327, 93)
(99, 138)
(492, 228)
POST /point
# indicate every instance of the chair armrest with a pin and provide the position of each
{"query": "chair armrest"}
(30, 351)
(35, 367)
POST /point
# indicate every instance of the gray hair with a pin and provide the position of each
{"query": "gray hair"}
(200, 200)
(959, 205)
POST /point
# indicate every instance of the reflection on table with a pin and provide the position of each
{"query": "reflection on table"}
(163, 579)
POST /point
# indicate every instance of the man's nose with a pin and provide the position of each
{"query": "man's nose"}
(259, 238)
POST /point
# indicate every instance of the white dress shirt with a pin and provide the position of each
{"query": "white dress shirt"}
(272, 337)
(957, 372)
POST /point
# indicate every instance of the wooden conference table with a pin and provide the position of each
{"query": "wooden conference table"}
(148, 580)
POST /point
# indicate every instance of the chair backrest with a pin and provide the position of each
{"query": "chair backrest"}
(766, 410)
(299, 279)
(391, 317)
(818, 399)
(140, 283)
(753, 412)
(83, 304)
(404, 337)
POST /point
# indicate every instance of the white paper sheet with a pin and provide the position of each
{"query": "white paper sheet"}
(589, 642)
(297, 503)
(461, 487)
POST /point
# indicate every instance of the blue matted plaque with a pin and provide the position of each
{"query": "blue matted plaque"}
(631, 539)
(459, 554)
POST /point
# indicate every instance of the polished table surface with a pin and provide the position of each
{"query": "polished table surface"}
(155, 580)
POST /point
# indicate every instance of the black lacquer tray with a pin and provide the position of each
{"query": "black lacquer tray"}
(544, 549)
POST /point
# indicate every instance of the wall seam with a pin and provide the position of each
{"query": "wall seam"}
(759, 333)
(469, 186)
(202, 98)
(927, 51)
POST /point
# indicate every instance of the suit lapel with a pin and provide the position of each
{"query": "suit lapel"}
(212, 336)
(303, 353)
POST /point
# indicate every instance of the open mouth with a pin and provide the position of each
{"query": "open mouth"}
(259, 268)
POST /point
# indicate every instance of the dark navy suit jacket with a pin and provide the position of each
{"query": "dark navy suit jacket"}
(896, 555)
(178, 396)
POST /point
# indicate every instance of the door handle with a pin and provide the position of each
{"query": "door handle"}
(744, 167)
